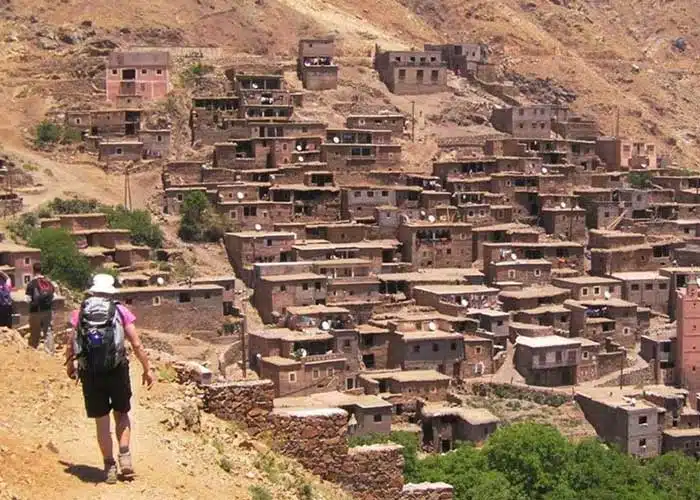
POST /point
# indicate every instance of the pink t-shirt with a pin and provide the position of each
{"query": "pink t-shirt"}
(128, 317)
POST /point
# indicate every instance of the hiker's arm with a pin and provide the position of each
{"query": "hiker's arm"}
(135, 341)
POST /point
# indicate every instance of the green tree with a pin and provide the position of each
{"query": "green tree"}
(139, 222)
(60, 258)
(675, 476)
(47, 133)
(198, 220)
(23, 227)
(639, 179)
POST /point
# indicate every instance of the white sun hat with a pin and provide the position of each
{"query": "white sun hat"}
(103, 283)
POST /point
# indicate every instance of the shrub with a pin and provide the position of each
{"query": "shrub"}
(23, 227)
(47, 133)
(198, 221)
(639, 179)
(194, 72)
(60, 258)
(73, 206)
(259, 493)
(226, 464)
(143, 230)
(306, 492)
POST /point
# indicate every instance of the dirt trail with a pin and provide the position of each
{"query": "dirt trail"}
(48, 449)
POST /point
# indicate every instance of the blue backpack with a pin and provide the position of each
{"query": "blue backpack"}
(5, 294)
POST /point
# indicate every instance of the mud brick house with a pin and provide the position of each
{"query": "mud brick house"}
(156, 143)
(501, 233)
(492, 324)
(568, 221)
(547, 361)
(144, 75)
(576, 127)
(214, 119)
(590, 287)
(404, 283)
(246, 248)
(524, 271)
(466, 59)
(297, 318)
(533, 296)
(630, 424)
(273, 294)
(561, 254)
(688, 337)
(361, 200)
(311, 203)
(660, 352)
(228, 284)
(106, 122)
(337, 232)
(348, 151)
(374, 346)
(368, 414)
(623, 153)
(427, 349)
(176, 309)
(534, 121)
(443, 426)
(411, 72)
(381, 253)
(120, 150)
(478, 356)
(395, 122)
(316, 67)
(425, 384)
(455, 299)
(597, 319)
(679, 277)
(263, 96)
(17, 261)
(436, 244)
(646, 288)
(245, 215)
(555, 315)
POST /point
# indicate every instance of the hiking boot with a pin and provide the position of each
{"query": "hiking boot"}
(110, 472)
(125, 466)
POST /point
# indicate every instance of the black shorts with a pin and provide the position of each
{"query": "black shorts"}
(106, 392)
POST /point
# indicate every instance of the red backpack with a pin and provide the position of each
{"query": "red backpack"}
(43, 292)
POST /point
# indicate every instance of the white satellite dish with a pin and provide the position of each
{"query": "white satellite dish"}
(325, 325)
(432, 326)
(299, 148)
(336, 140)
(301, 159)
(240, 195)
(258, 356)
(513, 256)
(254, 85)
(272, 177)
(562, 204)
(258, 227)
(697, 280)
(431, 218)
(422, 213)
(464, 302)
(607, 295)
(160, 281)
(544, 170)
(303, 353)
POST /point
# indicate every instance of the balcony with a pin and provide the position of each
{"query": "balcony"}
(320, 358)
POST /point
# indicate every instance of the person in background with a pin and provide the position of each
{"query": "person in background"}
(40, 294)
(5, 300)
(96, 345)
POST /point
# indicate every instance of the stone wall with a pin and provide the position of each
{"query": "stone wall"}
(373, 472)
(248, 402)
(427, 491)
(518, 391)
(317, 438)
(641, 376)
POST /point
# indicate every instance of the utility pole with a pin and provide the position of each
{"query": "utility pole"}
(413, 121)
(617, 123)
(127, 189)
(622, 364)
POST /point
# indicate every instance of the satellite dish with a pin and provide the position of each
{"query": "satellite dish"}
(299, 148)
(336, 140)
(422, 214)
(254, 85)
(432, 326)
(325, 325)
(303, 353)
(301, 159)
(607, 295)
(240, 195)
(513, 256)
(697, 280)
(258, 356)
(160, 281)
(272, 177)
(464, 302)
(544, 170)
(431, 218)
(258, 227)
(562, 204)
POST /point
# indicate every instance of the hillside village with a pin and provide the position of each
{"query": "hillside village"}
(380, 278)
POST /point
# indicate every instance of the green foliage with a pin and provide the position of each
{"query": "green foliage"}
(194, 72)
(61, 206)
(143, 230)
(48, 133)
(306, 492)
(226, 464)
(639, 179)
(28, 167)
(408, 440)
(535, 462)
(198, 220)
(23, 227)
(259, 493)
(60, 258)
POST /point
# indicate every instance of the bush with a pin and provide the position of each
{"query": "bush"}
(61, 206)
(639, 179)
(198, 221)
(259, 493)
(194, 72)
(143, 230)
(23, 227)
(48, 133)
(60, 258)
(225, 464)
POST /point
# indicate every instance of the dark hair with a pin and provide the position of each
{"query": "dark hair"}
(36, 267)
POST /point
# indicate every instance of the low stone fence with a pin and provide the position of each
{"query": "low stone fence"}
(641, 376)
(427, 491)
(512, 391)
(248, 402)
(373, 472)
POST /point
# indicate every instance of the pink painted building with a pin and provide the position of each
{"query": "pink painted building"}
(688, 338)
(137, 74)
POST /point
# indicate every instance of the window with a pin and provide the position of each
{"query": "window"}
(156, 301)
(419, 75)
(663, 286)
(402, 74)
(385, 193)
(477, 350)
(346, 344)
(643, 420)
(27, 261)
(77, 121)
(596, 290)
(511, 274)
(114, 72)
(179, 197)
(436, 347)
(377, 417)
(144, 71)
(649, 286)
(305, 286)
(370, 194)
(128, 302)
(283, 288)
(538, 272)
(184, 297)
(292, 377)
(558, 356)
(434, 75)
(119, 151)
(357, 194)
(416, 348)
(317, 285)
(453, 346)
(268, 242)
(634, 288)
(642, 443)
(159, 72)
(330, 372)
(26, 278)
(349, 383)
(316, 373)
(584, 354)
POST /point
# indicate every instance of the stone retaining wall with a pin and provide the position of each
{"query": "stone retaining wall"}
(373, 472)
(248, 402)
(427, 491)
(642, 376)
(516, 391)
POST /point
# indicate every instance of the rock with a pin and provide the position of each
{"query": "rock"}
(636, 68)
(69, 35)
(86, 24)
(47, 43)
(52, 447)
(183, 414)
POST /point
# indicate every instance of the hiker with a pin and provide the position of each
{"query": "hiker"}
(5, 300)
(40, 293)
(96, 345)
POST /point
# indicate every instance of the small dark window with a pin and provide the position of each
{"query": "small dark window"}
(649, 286)
(416, 348)
(283, 288)
(185, 297)
(643, 420)
(305, 286)
(453, 346)
(436, 347)
(377, 417)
